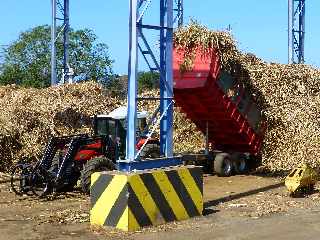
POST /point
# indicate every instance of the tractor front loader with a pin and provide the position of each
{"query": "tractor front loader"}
(68, 159)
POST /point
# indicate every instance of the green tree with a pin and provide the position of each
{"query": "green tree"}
(27, 60)
(116, 85)
(148, 80)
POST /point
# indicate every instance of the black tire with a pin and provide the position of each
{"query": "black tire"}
(240, 163)
(20, 179)
(69, 185)
(254, 162)
(150, 150)
(41, 184)
(97, 164)
(223, 165)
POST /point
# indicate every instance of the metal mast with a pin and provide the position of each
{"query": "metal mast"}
(179, 17)
(161, 62)
(60, 12)
(296, 27)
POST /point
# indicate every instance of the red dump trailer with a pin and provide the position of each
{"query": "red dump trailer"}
(222, 109)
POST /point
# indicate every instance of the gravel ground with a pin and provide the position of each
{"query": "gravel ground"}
(236, 202)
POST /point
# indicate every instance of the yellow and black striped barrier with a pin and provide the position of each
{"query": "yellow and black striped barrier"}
(129, 201)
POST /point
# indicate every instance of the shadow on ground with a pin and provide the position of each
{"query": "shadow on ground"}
(212, 203)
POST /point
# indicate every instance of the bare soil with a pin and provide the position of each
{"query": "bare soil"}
(239, 207)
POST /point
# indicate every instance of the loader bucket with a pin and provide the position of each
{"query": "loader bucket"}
(302, 177)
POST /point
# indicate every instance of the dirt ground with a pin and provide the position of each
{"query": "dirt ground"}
(239, 207)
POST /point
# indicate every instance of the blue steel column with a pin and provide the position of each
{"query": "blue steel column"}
(162, 78)
(53, 44)
(180, 12)
(60, 12)
(168, 93)
(290, 31)
(66, 29)
(166, 47)
(132, 83)
(296, 28)
(302, 10)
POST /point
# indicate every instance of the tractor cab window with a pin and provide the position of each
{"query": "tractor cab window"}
(123, 123)
(101, 128)
(112, 128)
(106, 127)
(141, 124)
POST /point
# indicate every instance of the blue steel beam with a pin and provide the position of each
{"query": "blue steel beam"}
(53, 43)
(296, 31)
(166, 48)
(132, 83)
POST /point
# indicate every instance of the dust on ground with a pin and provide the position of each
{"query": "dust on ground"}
(239, 207)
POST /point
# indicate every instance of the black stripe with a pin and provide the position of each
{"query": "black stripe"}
(158, 197)
(137, 209)
(182, 193)
(118, 208)
(98, 188)
(197, 175)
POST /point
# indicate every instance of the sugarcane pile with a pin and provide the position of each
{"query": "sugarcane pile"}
(287, 94)
(28, 117)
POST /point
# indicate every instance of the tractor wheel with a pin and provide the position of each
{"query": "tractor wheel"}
(150, 150)
(71, 182)
(240, 163)
(20, 179)
(97, 164)
(55, 165)
(223, 165)
(41, 184)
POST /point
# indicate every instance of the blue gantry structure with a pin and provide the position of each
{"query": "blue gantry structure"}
(171, 13)
(60, 13)
(296, 30)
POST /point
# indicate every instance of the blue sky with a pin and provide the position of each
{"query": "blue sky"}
(260, 27)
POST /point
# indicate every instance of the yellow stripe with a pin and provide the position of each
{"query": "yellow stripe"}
(170, 195)
(145, 198)
(133, 224)
(101, 209)
(94, 177)
(192, 188)
(123, 223)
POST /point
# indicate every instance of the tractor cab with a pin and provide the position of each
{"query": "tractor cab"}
(114, 125)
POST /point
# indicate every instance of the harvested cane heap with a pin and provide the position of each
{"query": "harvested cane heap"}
(288, 94)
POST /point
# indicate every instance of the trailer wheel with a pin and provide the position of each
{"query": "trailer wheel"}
(223, 165)
(240, 163)
(150, 150)
(97, 164)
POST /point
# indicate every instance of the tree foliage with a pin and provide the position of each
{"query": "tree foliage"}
(118, 85)
(27, 60)
(148, 80)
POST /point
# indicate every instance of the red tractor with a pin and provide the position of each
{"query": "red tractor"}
(66, 160)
